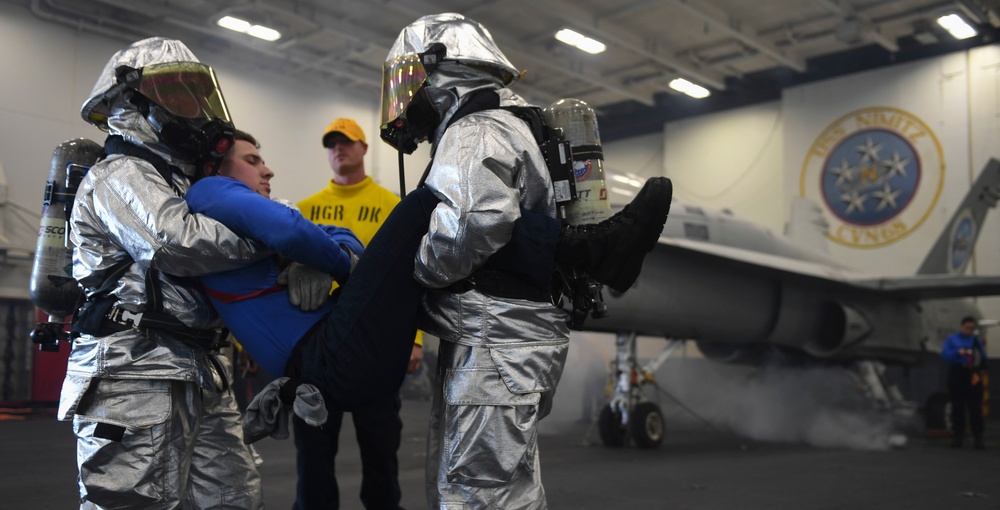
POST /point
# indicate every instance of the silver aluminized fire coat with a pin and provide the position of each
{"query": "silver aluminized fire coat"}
(500, 359)
(170, 397)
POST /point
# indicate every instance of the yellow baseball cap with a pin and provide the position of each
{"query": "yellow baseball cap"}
(346, 127)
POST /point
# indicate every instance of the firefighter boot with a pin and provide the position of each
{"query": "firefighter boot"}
(612, 251)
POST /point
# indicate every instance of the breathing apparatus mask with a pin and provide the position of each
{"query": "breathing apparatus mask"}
(183, 104)
(408, 113)
(418, 92)
(418, 82)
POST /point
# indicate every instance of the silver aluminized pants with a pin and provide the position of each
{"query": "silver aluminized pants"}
(482, 448)
(157, 444)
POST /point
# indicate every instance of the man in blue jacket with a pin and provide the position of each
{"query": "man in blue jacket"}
(966, 358)
(319, 341)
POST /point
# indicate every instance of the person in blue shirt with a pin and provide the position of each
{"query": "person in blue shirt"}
(966, 357)
(303, 336)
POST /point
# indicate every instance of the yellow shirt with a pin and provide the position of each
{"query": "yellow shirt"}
(360, 207)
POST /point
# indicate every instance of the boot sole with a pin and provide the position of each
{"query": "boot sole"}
(622, 281)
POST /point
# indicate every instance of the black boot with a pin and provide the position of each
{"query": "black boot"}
(612, 251)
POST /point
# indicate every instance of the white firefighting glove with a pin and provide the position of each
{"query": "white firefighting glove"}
(267, 414)
(308, 288)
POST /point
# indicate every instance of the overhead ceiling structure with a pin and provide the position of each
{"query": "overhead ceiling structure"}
(741, 51)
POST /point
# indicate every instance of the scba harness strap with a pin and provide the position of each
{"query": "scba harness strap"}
(557, 152)
(97, 315)
(525, 268)
(522, 268)
(115, 144)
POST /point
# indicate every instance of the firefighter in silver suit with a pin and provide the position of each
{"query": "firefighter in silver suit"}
(488, 258)
(146, 387)
(501, 354)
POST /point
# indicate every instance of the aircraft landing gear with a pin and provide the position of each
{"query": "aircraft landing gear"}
(613, 432)
(880, 391)
(645, 426)
(628, 415)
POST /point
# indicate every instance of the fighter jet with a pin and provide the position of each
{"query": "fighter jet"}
(738, 290)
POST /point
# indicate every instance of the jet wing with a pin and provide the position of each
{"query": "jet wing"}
(936, 286)
(834, 277)
(759, 262)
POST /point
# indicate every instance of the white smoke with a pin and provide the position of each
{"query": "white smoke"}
(821, 406)
(817, 405)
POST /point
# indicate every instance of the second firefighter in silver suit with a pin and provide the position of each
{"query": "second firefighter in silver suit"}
(500, 358)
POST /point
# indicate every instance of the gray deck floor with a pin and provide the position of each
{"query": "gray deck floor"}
(696, 467)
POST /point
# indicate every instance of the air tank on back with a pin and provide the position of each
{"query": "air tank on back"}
(578, 122)
(52, 287)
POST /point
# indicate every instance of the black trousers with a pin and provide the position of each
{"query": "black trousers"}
(358, 358)
(965, 398)
(359, 354)
(378, 430)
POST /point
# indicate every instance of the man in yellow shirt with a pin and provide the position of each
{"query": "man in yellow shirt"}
(352, 200)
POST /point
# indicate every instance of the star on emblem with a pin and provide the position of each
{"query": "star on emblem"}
(844, 172)
(887, 197)
(855, 201)
(896, 165)
(869, 151)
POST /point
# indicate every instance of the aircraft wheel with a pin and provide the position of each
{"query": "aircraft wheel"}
(610, 428)
(647, 425)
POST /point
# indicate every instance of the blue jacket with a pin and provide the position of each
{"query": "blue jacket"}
(956, 341)
(255, 309)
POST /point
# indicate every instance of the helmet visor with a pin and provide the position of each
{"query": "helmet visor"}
(402, 77)
(186, 89)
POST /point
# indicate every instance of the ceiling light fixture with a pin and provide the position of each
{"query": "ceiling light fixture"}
(695, 91)
(244, 27)
(956, 26)
(580, 41)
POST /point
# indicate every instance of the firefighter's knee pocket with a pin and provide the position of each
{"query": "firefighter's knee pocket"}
(121, 441)
(491, 433)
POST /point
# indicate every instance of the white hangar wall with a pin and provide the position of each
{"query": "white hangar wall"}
(749, 160)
